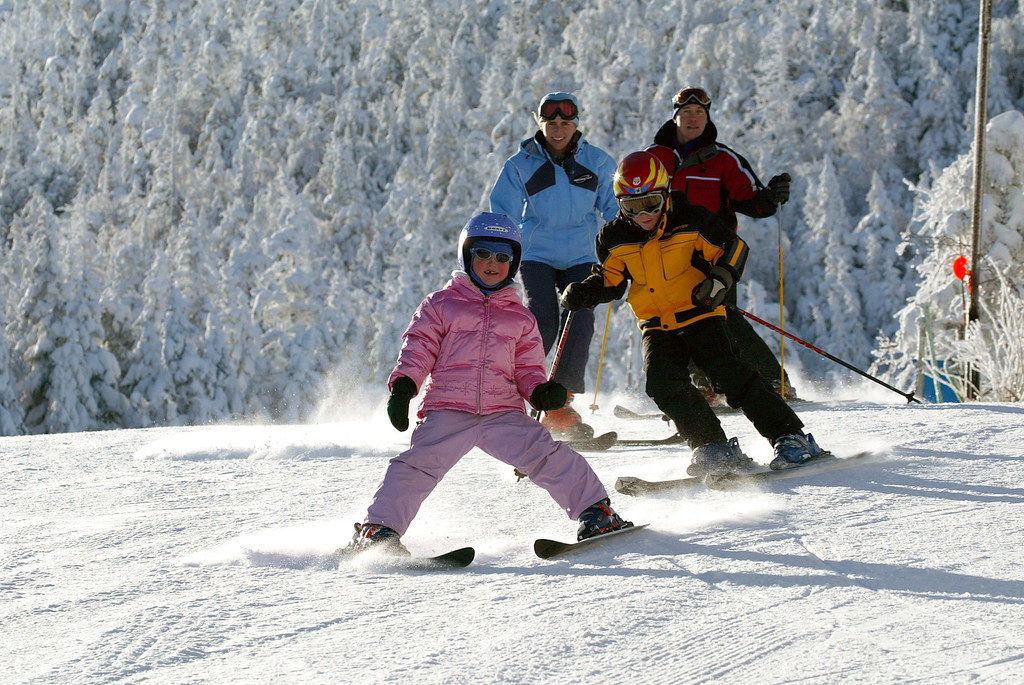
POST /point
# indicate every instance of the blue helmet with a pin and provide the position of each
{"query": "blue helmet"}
(490, 226)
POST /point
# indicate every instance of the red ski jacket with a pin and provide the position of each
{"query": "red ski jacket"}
(712, 175)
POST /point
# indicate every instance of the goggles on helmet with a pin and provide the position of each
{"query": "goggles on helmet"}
(549, 109)
(648, 203)
(691, 95)
(485, 254)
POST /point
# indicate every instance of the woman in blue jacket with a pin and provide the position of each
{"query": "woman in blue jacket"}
(558, 188)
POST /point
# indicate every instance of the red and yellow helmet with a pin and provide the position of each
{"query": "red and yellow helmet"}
(639, 173)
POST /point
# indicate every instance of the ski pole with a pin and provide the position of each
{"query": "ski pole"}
(551, 374)
(561, 345)
(600, 359)
(558, 356)
(909, 395)
(782, 321)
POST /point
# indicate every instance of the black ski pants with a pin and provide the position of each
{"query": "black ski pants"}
(667, 355)
(747, 344)
(544, 284)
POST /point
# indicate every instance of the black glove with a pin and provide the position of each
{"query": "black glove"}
(778, 189)
(582, 295)
(402, 391)
(710, 293)
(549, 395)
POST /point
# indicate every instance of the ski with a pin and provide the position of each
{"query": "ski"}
(824, 463)
(624, 413)
(621, 412)
(598, 443)
(548, 549)
(457, 558)
(629, 485)
(676, 439)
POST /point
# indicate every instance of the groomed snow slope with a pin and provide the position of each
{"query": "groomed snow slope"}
(174, 555)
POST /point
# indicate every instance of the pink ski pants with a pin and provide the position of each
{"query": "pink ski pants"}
(445, 436)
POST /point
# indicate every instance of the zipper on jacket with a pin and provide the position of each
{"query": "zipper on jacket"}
(483, 355)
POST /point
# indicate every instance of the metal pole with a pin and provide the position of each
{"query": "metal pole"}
(782, 323)
(562, 336)
(600, 360)
(980, 119)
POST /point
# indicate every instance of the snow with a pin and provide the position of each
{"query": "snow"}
(197, 554)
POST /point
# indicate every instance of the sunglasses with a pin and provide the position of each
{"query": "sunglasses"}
(558, 108)
(691, 96)
(485, 254)
(648, 203)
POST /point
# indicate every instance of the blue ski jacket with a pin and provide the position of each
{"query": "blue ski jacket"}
(557, 206)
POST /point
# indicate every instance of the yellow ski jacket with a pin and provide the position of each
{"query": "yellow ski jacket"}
(663, 266)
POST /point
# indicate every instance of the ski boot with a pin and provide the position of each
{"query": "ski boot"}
(717, 458)
(599, 518)
(566, 423)
(794, 449)
(374, 536)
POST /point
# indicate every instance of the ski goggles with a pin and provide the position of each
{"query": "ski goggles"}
(549, 109)
(485, 254)
(691, 96)
(648, 203)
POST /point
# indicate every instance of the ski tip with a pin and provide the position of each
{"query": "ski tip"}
(594, 444)
(457, 558)
(621, 412)
(545, 549)
(627, 485)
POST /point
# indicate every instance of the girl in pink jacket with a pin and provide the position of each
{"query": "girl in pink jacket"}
(476, 353)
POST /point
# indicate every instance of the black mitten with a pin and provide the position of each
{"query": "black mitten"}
(778, 189)
(582, 295)
(402, 391)
(548, 396)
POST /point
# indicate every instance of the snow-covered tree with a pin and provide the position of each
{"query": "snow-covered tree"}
(935, 317)
(314, 143)
(11, 413)
(72, 379)
(829, 299)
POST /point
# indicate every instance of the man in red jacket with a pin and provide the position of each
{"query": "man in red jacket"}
(714, 176)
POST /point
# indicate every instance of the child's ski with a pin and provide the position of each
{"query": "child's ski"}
(676, 439)
(547, 549)
(629, 485)
(621, 412)
(826, 462)
(598, 443)
(457, 558)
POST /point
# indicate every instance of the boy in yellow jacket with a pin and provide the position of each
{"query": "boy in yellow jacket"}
(679, 262)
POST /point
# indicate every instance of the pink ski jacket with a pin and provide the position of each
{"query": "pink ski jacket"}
(482, 354)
